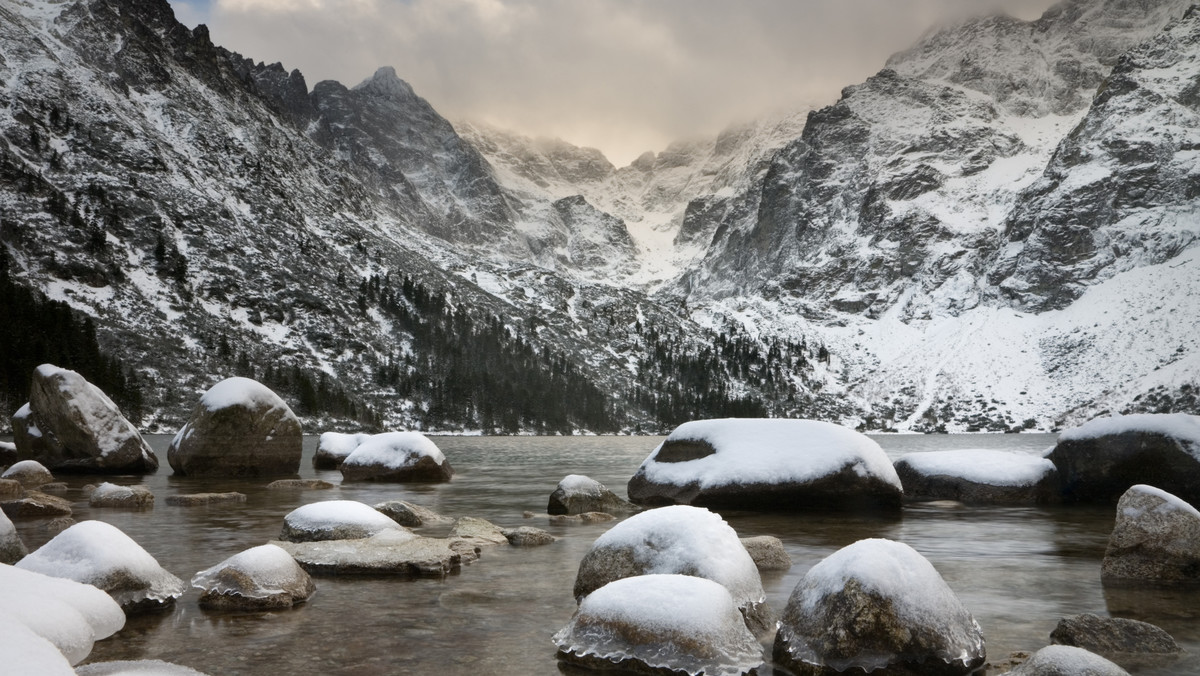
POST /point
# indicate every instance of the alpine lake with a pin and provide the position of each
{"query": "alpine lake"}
(1017, 569)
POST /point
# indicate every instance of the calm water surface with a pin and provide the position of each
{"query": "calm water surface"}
(1017, 569)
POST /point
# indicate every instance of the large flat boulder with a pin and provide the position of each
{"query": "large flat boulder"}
(776, 465)
(979, 476)
(389, 552)
(240, 428)
(73, 426)
(1100, 460)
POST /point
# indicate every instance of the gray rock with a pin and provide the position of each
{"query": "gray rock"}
(11, 547)
(1113, 637)
(577, 494)
(528, 536)
(81, 429)
(11, 488)
(877, 605)
(409, 515)
(1061, 660)
(480, 532)
(240, 428)
(388, 553)
(1156, 538)
(300, 484)
(261, 578)
(586, 517)
(768, 552)
(981, 477)
(198, 499)
(335, 520)
(58, 487)
(1100, 460)
(36, 505)
(29, 473)
(122, 497)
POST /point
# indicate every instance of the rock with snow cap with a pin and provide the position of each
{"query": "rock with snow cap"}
(979, 476)
(397, 456)
(240, 428)
(660, 624)
(8, 453)
(1062, 660)
(333, 447)
(677, 539)
(335, 520)
(1156, 538)
(578, 494)
(1100, 460)
(97, 553)
(29, 473)
(36, 505)
(123, 497)
(389, 552)
(877, 606)
(261, 578)
(782, 465)
(27, 437)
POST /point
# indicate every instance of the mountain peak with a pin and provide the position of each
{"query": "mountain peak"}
(385, 81)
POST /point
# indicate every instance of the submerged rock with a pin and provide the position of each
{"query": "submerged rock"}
(1156, 538)
(577, 494)
(979, 476)
(410, 515)
(391, 552)
(11, 547)
(1100, 460)
(767, 552)
(1061, 660)
(96, 553)
(123, 497)
(261, 578)
(240, 428)
(335, 520)
(1114, 637)
(877, 605)
(479, 532)
(198, 499)
(586, 517)
(659, 624)
(36, 505)
(79, 428)
(28, 473)
(397, 456)
(679, 539)
(528, 536)
(778, 465)
(300, 484)
(136, 668)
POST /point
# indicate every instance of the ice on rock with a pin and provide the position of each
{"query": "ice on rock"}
(397, 456)
(876, 604)
(670, 622)
(45, 620)
(1059, 660)
(333, 448)
(335, 520)
(99, 554)
(767, 464)
(264, 577)
(677, 539)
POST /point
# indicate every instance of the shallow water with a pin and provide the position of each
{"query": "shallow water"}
(1017, 569)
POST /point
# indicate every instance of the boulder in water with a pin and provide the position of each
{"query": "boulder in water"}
(774, 465)
(334, 520)
(96, 553)
(122, 497)
(27, 437)
(333, 447)
(11, 488)
(389, 552)
(577, 494)
(35, 505)
(1156, 538)
(11, 547)
(979, 476)
(262, 578)
(397, 456)
(877, 605)
(527, 536)
(1117, 639)
(78, 428)
(1062, 660)
(660, 624)
(767, 552)
(1100, 460)
(28, 473)
(198, 499)
(240, 428)
(678, 539)
(409, 515)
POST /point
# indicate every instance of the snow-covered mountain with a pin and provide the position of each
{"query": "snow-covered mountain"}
(996, 231)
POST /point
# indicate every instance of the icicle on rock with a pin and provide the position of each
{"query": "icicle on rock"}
(262, 578)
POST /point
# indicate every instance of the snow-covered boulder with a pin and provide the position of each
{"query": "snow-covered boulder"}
(79, 428)
(47, 623)
(397, 456)
(877, 604)
(333, 448)
(35, 505)
(262, 578)
(979, 476)
(660, 624)
(769, 465)
(8, 453)
(27, 437)
(1062, 660)
(1156, 538)
(390, 552)
(678, 539)
(1113, 636)
(99, 554)
(123, 497)
(410, 515)
(240, 428)
(768, 552)
(1100, 460)
(335, 520)
(577, 494)
(136, 668)
(11, 547)
(28, 473)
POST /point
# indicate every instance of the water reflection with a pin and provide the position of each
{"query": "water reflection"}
(1019, 570)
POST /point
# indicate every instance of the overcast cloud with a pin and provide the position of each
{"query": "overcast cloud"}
(624, 76)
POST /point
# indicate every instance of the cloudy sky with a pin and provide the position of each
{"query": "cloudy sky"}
(624, 76)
